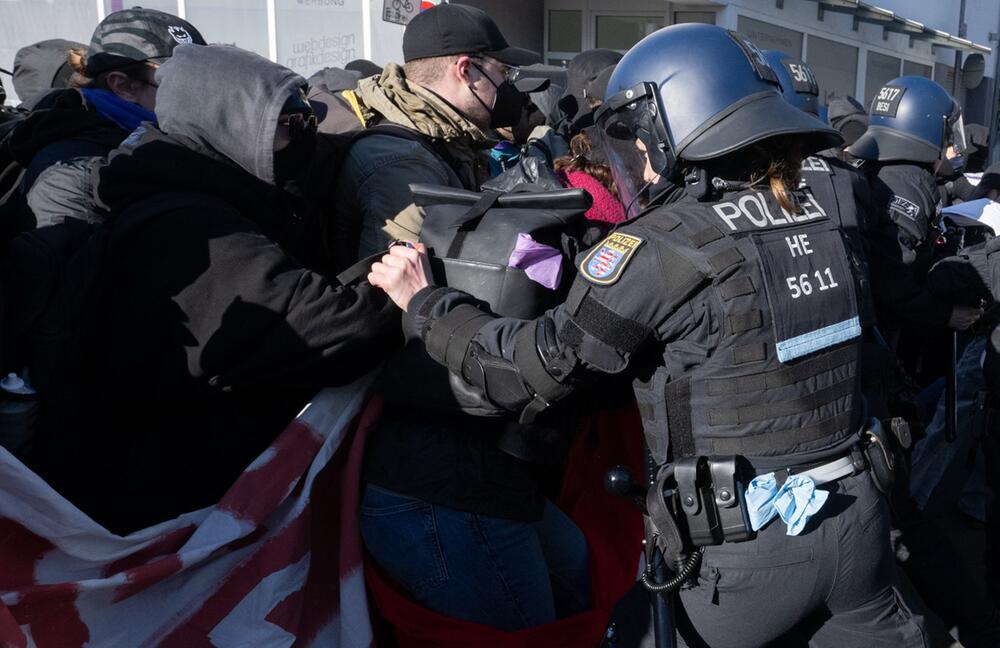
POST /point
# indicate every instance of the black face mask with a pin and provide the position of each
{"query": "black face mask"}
(506, 110)
(291, 161)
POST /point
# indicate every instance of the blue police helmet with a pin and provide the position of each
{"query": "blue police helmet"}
(798, 83)
(911, 119)
(693, 92)
(714, 93)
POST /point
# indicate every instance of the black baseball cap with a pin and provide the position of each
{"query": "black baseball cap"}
(132, 35)
(450, 29)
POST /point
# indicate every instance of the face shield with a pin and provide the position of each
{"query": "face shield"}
(955, 130)
(635, 144)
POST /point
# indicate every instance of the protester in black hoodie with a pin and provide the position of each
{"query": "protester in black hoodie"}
(198, 334)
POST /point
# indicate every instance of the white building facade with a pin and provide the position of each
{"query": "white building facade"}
(305, 35)
(853, 47)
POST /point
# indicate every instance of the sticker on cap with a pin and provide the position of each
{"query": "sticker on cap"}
(179, 34)
(606, 262)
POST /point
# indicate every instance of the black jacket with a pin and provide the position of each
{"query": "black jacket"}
(906, 210)
(61, 127)
(199, 339)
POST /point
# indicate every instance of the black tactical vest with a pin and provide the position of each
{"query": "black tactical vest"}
(843, 192)
(770, 370)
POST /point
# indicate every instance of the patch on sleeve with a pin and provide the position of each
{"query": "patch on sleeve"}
(904, 207)
(606, 262)
(813, 163)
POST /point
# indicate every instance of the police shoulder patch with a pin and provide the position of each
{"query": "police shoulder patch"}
(606, 262)
(904, 207)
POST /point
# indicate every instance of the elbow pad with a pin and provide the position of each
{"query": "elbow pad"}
(545, 366)
(529, 384)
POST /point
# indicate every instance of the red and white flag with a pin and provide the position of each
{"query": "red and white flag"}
(277, 562)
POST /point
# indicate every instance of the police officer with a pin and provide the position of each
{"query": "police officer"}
(735, 309)
(913, 121)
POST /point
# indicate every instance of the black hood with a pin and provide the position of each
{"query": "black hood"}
(582, 69)
(62, 114)
(839, 108)
(333, 79)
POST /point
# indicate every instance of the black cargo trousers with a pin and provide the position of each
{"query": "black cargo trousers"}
(833, 585)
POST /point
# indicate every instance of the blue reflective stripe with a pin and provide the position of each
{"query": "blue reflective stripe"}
(806, 343)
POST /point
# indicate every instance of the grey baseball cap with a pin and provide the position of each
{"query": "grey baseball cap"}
(137, 34)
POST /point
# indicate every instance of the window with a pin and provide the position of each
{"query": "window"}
(945, 75)
(315, 35)
(707, 17)
(767, 36)
(836, 67)
(622, 32)
(881, 68)
(565, 31)
(235, 22)
(911, 68)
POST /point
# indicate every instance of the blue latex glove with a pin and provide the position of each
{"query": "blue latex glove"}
(797, 501)
(760, 500)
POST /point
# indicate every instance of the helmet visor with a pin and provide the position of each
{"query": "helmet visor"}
(634, 149)
(955, 130)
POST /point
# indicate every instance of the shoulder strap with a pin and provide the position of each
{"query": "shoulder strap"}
(352, 100)
(471, 220)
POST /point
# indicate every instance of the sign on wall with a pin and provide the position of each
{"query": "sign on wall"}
(401, 12)
(316, 34)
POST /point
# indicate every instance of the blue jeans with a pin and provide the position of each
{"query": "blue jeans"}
(502, 573)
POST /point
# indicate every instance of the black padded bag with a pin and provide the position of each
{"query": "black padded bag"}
(470, 237)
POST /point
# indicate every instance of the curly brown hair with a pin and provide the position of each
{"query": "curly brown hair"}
(581, 151)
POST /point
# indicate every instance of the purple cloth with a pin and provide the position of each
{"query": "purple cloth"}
(540, 262)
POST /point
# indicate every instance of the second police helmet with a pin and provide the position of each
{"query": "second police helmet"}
(690, 93)
(798, 83)
(911, 119)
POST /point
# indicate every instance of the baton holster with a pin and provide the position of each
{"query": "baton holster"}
(884, 449)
